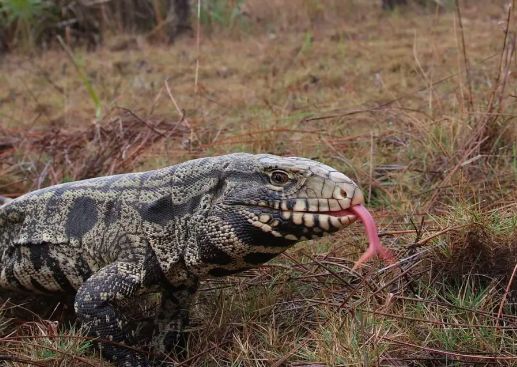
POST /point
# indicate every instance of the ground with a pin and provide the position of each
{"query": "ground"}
(417, 105)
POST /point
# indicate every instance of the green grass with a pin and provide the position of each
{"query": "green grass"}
(223, 13)
(23, 17)
(83, 76)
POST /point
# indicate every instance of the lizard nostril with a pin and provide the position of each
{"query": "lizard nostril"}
(340, 193)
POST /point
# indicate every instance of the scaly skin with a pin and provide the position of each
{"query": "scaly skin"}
(112, 239)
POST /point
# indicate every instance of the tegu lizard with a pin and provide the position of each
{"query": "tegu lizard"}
(112, 239)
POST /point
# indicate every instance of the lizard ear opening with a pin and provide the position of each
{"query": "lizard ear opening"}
(220, 189)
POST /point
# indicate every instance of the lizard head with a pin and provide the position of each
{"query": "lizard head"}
(241, 210)
(285, 200)
(260, 205)
(293, 198)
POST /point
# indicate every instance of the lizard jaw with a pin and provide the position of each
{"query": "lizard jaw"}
(325, 221)
(319, 223)
(307, 218)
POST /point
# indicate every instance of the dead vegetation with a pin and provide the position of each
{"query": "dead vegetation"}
(418, 106)
(58, 153)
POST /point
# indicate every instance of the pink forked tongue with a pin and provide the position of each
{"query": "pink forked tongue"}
(375, 247)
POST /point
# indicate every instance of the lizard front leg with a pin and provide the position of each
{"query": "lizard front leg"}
(95, 306)
(173, 316)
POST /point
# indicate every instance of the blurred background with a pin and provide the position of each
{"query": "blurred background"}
(414, 99)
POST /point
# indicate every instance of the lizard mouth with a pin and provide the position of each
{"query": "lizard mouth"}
(341, 218)
(325, 220)
(304, 218)
(317, 217)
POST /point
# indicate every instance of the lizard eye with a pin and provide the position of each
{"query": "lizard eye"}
(279, 178)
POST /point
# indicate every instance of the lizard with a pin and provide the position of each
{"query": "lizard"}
(111, 239)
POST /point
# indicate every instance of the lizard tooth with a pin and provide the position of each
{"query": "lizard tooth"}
(308, 220)
(276, 234)
(266, 228)
(323, 205)
(297, 218)
(274, 223)
(291, 237)
(264, 218)
(344, 220)
(334, 205)
(335, 222)
(324, 222)
(300, 205)
(303, 238)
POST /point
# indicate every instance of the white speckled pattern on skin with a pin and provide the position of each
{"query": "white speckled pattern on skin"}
(114, 238)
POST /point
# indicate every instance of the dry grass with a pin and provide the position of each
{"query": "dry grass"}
(62, 153)
(418, 106)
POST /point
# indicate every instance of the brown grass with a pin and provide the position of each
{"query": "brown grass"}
(61, 153)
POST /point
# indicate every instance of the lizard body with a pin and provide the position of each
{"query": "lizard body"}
(113, 238)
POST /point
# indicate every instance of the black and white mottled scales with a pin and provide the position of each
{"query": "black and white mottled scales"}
(112, 239)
